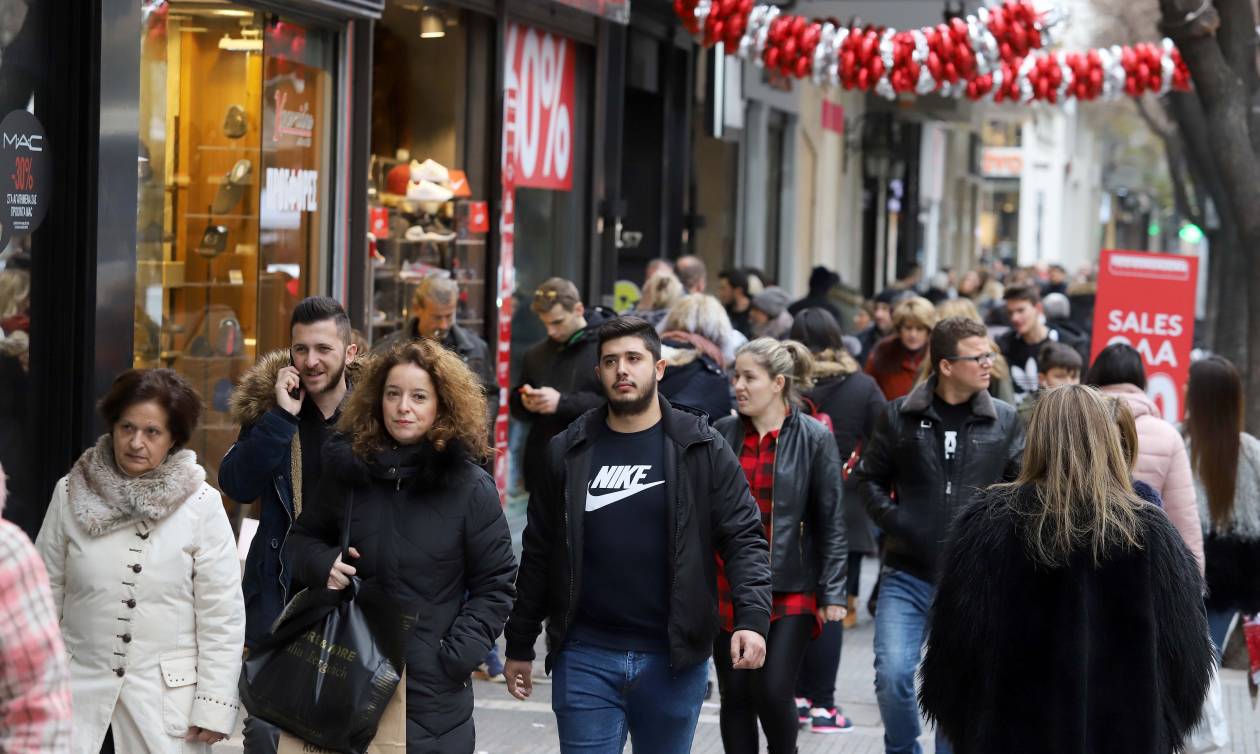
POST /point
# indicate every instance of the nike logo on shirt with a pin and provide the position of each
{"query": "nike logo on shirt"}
(628, 478)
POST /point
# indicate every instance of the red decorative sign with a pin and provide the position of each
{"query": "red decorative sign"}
(478, 217)
(1147, 301)
(539, 86)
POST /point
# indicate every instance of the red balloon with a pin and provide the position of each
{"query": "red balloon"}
(934, 65)
(803, 66)
(772, 57)
(864, 79)
(951, 73)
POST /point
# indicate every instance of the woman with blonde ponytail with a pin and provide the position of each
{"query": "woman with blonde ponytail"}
(1067, 614)
(793, 470)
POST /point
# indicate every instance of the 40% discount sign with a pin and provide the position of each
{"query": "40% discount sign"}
(539, 83)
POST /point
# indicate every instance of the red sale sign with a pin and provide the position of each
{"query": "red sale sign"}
(1147, 301)
(538, 85)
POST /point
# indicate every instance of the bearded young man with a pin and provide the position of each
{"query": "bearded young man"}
(634, 500)
(287, 406)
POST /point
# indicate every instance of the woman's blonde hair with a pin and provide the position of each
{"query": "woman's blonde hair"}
(788, 358)
(1075, 463)
(915, 311)
(700, 315)
(461, 413)
(958, 307)
(15, 292)
(1127, 424)
(661, 291)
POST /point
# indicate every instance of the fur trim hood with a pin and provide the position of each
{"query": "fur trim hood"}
(104, 499)
(255, 394)
(419, 467)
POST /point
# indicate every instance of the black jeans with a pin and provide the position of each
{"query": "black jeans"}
(817, 679)
(765, 694)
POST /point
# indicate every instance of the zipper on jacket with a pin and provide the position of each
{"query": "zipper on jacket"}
(568, 608)
(284, 589)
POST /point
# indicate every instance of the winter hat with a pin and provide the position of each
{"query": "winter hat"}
(772, 301)
(822, 279)
(396, 179)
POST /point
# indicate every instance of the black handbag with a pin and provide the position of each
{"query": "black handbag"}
(332, 662)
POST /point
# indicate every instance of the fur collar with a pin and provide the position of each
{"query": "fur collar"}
(255, 394)
(105, 499)
(920, 400)
(420, 467)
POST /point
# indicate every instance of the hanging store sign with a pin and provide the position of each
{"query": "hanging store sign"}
(539, 82)
(1002, 162)
(1147, 301)
(24, 175)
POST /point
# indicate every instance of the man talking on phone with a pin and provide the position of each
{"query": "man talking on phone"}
(633, 502)
(557, 382)
(287, 406)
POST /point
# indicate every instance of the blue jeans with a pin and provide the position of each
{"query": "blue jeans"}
(1218, 624)
(602, 695)
(901, 619)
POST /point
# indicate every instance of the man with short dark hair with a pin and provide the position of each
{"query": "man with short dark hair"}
(1023, 342)
(691, 273)
(733, 292)
(1058, 364)
(821, 281)
(881, 321)
(937, 447)
(558, 381)
(287, 406)
(634, 500)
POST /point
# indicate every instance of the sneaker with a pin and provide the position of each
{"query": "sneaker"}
(429, 170)
(829, 721)
(802, 711)
(428, 191)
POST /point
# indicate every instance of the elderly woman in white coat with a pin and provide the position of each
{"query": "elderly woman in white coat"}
(145, 576)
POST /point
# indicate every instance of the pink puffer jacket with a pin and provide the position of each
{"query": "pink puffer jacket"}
(1163, 464)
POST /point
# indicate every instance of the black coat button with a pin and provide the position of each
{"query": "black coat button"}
(136, 568)
(131, 603)
(275, 543)
(126, 638)
(119, 672)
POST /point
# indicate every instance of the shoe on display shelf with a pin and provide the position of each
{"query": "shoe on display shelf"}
(430, 170)
(428, 192)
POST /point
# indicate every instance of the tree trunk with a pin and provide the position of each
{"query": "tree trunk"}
(1225, 97)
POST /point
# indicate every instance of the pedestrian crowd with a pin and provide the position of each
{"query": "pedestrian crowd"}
(1060, 567)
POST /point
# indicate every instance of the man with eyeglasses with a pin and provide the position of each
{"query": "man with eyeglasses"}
(558, 381)
(937, 448)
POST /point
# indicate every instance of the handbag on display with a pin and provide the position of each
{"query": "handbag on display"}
(332, 664)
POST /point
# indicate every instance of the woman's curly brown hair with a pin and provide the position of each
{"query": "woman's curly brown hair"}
(461, 414)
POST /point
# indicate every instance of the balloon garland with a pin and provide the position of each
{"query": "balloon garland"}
(997, 54)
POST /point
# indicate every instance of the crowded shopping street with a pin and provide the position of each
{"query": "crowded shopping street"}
(665, 376)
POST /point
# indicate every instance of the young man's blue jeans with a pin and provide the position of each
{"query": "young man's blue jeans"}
(901, 620)
(602, 695)
(1218, 626)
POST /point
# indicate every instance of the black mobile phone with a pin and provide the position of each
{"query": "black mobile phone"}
(295, 393)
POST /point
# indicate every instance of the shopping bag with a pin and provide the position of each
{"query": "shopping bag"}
(1212, 732)
(331, 664)
(391, 734)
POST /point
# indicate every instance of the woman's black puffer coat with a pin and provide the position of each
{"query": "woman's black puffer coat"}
(429, 526)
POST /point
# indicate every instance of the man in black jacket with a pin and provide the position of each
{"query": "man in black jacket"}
(558, 382)
(632, 504)
(433, 307)
(937, 447)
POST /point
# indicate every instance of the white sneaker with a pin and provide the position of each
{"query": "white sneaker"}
(430, 170)
(428, 191)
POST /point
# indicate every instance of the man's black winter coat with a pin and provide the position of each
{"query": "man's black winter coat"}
(808, 551)
(905, 454)
(1082, 658)
(711, 512)
(429, 526)
(570, 369)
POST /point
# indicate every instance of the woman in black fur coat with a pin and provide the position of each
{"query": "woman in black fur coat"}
(1067, 617)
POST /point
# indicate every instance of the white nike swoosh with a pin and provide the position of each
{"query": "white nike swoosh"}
(595, 502)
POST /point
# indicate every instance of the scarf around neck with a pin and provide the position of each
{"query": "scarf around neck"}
(103, 498)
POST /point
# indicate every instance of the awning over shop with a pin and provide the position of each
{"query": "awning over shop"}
(613, 10)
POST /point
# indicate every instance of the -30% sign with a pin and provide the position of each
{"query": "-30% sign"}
(540, 80)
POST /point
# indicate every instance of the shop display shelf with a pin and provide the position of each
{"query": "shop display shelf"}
(470, 242)
(233, 148)
(206, 216)
(209, 284)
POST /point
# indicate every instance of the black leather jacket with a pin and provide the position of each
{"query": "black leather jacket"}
(808, 549)
(712, 512)
(905, 454)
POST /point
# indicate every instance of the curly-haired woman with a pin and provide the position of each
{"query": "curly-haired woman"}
(425, 521)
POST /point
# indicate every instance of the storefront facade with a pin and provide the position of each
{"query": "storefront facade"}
(217, 161)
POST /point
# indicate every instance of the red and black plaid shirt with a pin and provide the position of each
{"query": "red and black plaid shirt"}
(756, 456)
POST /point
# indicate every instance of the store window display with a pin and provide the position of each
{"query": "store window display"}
(428, 217)
(232, 179)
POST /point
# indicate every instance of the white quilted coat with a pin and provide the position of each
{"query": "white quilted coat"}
(153, 621)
